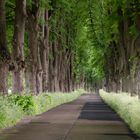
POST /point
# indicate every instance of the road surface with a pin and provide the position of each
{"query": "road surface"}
(87, 118)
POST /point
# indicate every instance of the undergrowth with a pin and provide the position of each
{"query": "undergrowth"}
(128, 108)
(14, 107)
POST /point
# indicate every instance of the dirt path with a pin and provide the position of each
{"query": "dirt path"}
(87, 118)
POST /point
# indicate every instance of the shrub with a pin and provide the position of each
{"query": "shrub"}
(15, 107)
(42, 103)
(25, 102)
(10, 113)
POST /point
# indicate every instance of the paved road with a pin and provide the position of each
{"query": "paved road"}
(87, 118)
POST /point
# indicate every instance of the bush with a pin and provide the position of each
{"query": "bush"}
(10, 113)
(42, 103)
(127, 107)
(47, 101)
(14, 107)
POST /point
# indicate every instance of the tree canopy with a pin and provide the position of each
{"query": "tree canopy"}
(65, 44)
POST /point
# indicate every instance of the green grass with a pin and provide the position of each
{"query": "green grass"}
(126, 106)
(14, 107)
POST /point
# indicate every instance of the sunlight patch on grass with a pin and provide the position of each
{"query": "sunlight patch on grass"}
(126, 106)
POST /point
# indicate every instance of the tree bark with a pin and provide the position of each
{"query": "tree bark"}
(33, 32)
(4, 54)
(18, 45)
(39, 73)
(45, 55)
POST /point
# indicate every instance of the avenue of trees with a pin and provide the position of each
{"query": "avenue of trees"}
(37, 45)
(61, 45)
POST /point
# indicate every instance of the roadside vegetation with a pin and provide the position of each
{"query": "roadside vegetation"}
(126, 106)
(15, 107)
(63, 45)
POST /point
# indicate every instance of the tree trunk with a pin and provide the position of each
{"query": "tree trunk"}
(51, 69)
(3, 78)
(4, 54)
(56, 56)
(39, 73)
(33, 32)
(45, 55)
(33, 61)
(18, 45)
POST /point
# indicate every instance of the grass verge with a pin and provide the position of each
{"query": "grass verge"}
(126, 106)
(15, 107)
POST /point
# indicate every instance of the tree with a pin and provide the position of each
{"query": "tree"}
(45, 52)
(33, 13)
(18, 45)
(4, 54)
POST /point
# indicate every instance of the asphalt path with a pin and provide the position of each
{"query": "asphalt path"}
(87, 118)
